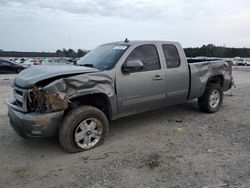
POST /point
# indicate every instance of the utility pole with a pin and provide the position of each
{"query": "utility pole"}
(69, 41)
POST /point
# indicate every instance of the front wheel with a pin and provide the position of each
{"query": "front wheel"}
(82, 129)
(212, 99)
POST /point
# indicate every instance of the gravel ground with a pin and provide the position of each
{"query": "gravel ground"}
(173, 147)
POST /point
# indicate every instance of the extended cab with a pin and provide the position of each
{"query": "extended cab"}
(112, 81)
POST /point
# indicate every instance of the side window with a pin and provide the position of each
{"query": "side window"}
(171, 55)
(148, 55)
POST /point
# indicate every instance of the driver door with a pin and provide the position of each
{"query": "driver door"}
(144, 89)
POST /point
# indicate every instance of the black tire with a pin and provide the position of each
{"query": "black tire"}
(204, 102)
(73, 119)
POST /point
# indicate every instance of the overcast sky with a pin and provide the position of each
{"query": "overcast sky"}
(48, 25)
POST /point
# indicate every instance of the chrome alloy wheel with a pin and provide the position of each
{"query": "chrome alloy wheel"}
(88, 133)
(214, 99)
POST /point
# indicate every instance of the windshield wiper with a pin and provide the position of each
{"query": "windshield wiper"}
(90, 65)
(87, 65)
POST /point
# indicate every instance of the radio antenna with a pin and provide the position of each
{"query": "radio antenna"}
(126, 40)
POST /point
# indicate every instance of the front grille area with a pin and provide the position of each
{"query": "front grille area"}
(18, 91)
(20, 96)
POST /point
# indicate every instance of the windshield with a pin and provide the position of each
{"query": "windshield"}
(103, 57)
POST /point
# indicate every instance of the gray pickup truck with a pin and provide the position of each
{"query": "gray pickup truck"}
(77, 102)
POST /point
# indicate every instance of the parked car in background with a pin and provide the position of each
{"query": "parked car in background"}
(33, 62)
(7, 66)
(55, 61)
(241, 62)
(20, 60)
(73, 60)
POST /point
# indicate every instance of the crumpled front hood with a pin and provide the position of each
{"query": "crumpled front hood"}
(30, 76)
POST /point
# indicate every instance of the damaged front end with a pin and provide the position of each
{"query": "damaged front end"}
(36, 112)
(41, 101)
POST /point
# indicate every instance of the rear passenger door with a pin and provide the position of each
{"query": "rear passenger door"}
(177, 74)
(144, 89)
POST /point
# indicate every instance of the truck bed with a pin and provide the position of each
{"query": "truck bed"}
(192, 60)
(201, 71)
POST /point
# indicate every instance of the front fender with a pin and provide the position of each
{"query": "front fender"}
(85, 85)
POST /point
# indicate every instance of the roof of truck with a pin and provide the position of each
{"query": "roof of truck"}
(141, 42)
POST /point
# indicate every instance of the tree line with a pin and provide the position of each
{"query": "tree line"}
(59, 53)
(211, 50)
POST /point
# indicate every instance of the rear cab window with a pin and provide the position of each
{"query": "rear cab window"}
(172, 56)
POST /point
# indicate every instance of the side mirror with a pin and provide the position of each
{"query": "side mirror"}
(131, 66)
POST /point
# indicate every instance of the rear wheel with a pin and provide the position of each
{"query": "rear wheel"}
(212, 99)
(82, 129)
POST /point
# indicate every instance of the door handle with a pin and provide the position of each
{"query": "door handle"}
(158, 77)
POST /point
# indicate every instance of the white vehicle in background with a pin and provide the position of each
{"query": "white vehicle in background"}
(33, 62)
(241, 62)
(247, 62)
(56, 61)
(20, 60)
